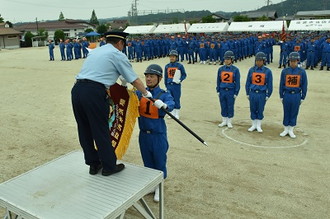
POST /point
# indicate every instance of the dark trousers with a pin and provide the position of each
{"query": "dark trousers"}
(91, 109)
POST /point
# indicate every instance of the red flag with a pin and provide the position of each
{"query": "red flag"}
(283, 34)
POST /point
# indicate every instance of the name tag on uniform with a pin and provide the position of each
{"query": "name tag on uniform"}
(147, 109)
(292, 80)
(258, 78)
(227, 77)
(171, 72)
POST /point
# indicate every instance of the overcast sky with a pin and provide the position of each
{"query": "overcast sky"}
(29, 10)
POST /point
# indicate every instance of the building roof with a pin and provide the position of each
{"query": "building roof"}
(54, 25)
(323, 13)
(257, 14)
(8, 31)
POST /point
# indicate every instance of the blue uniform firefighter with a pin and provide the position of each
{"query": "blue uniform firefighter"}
(285, 49)
(153, 134)
(293, 90)
(259, 87)
(85, 45)
(69, 47)
(62, 50)
(326, 54)
(311, 49)
(175, 73)
(228, 86)
(51, 50)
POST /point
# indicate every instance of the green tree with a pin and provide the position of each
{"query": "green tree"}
(59, 34)
(61, 17)
(263, 18)
(102, 28)
(28, 39)
(88, 30)
(43, 34)
(208, 19)
(1, 19)
(94, 19)
(239, 18)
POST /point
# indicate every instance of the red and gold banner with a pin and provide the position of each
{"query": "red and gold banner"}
(124, 105)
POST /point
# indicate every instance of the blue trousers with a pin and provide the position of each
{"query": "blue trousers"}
(175, 91)
(62, 54)
(284, 58)
(51, 55)
(153, 147)
(227, 102)
(325, 59)
(291, 104)
(91, 110)
(202, 54)
(310, 59)
(257, 105)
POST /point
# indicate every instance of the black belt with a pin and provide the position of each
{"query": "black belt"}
(89, 81)
(258, 91)
(227, 89)
(292, 92)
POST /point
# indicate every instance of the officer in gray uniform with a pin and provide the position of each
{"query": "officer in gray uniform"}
(90, 101)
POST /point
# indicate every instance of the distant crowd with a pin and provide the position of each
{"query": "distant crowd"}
(314, 47)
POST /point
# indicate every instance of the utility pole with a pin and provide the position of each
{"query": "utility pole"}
(37, 24)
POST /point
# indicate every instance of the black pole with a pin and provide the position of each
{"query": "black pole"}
(183, 125)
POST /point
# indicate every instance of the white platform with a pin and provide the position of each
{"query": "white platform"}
(63, 189)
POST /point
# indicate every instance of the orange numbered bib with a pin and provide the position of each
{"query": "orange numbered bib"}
(292, 80)
(147, 109)
(201, 45)
(227, 77)
(212, 46)
(171, 72)
(297, 48)
(258, 78)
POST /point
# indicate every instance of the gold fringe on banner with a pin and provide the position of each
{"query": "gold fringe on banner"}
(131, 114)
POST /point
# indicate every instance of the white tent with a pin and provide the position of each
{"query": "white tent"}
(146, 29)
(312, 25)
(208, 27)
(172, 28)
(257, 26)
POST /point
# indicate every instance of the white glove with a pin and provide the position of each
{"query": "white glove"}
(248, 97)
(123, 81)
(160, 104)
(281, 100)
(235, 96)
(301, 101)
(267, 98)
(147, 95)
(178, 81)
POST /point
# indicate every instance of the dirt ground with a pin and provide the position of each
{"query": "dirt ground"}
(239, 175)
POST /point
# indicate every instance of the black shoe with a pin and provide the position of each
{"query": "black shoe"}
(321, 68)
(307, 67)
(94, 169)
(328, 68)
(119, 167)
(312, 68)
(279, 66)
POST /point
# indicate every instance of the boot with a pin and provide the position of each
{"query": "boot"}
(229, 125)
(321, 68)
(307, 67)
(285, 132)
(224, 122)
(328, 68)
(177, 113)
(279, 66)
(292, 135)
(259, 126)
(312, 68)
(284, 66)
(156, 196)
(254, 126)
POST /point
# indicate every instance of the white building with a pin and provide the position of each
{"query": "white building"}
(71, 28)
